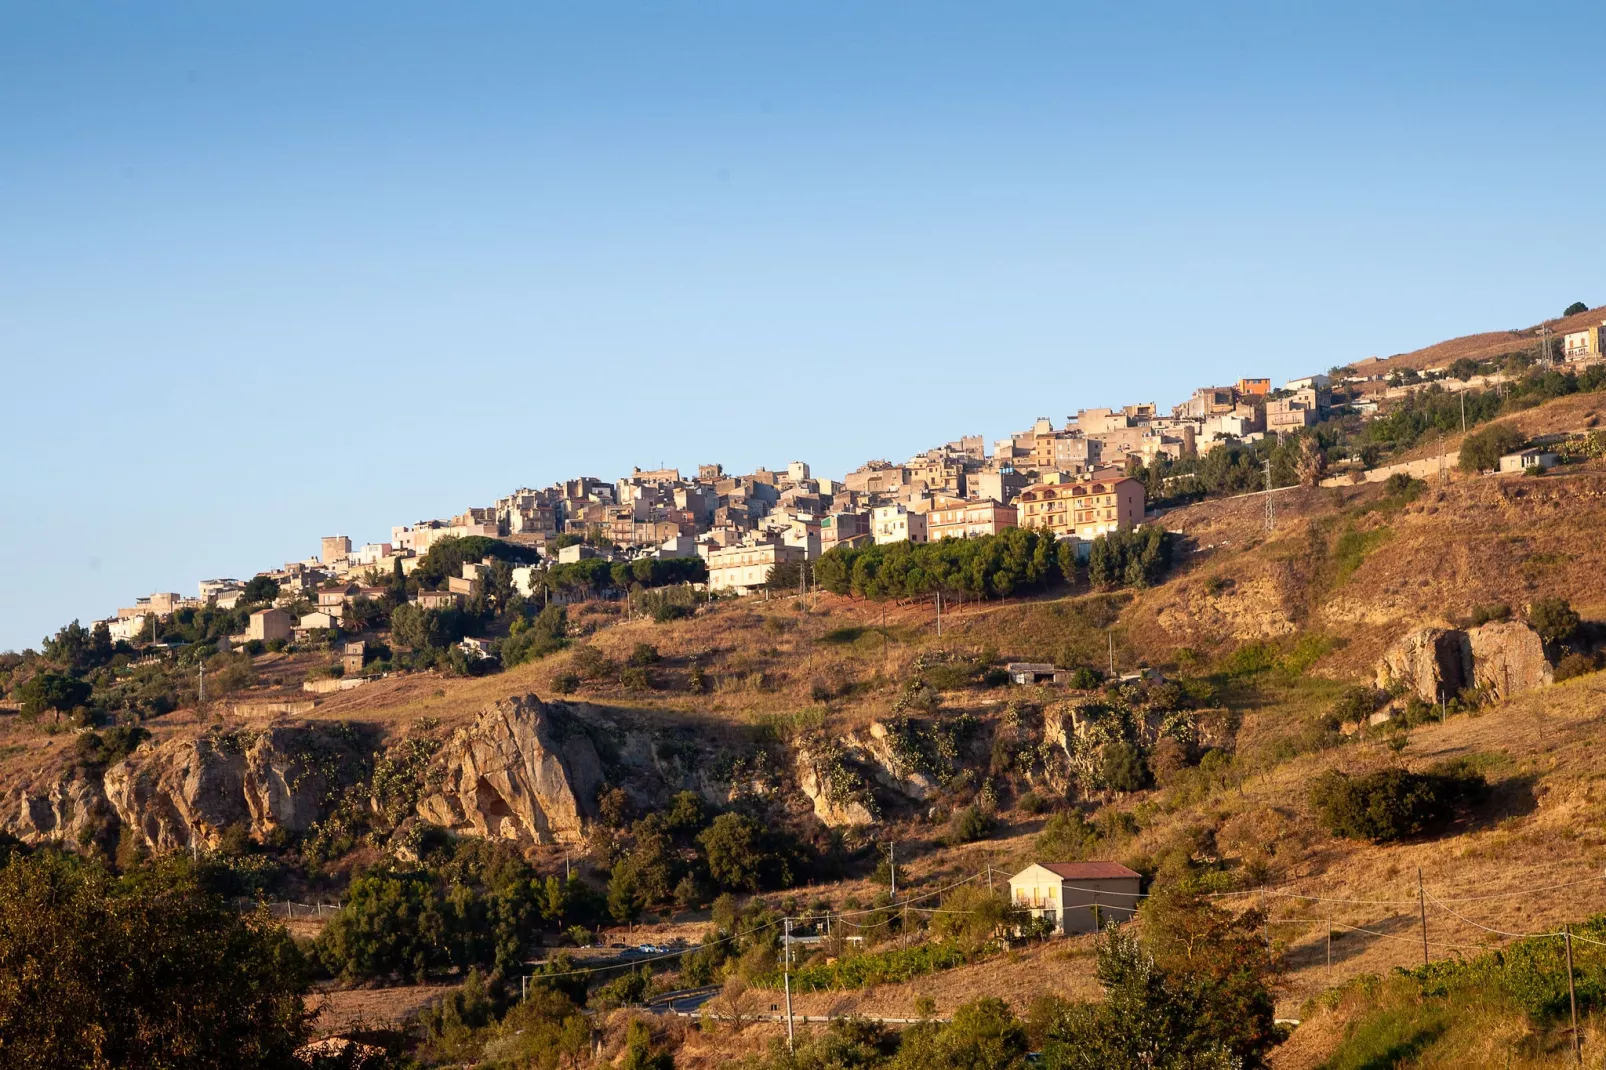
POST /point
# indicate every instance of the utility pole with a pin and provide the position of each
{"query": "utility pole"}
(1111, 637)
(1329, 939)
(202, 699)
(1572, 996)
(1271, 510)
(1463, 409)
(567, 874)
(884, 654)
(1422, 905)
(786, 974)
(989, 875)
(892, 860)
(939, 613)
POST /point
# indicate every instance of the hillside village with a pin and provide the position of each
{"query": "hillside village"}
(1076, 481)
(777, 768)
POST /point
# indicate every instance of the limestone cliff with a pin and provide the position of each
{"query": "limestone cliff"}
(522, 771)
(187, 791)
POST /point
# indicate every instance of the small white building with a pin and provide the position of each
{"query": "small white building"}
(1077, 897)
(1528, 460)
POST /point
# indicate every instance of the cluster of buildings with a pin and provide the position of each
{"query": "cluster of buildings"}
(1068, 480)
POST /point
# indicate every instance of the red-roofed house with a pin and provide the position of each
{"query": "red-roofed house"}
(1078, 897)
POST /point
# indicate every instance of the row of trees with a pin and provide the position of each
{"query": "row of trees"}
(1015, 561)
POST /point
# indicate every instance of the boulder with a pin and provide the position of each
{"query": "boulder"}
(523, 771)
(1508, 657)
(1430, 662)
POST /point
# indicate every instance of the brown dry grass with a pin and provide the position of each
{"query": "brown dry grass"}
(1483, 346)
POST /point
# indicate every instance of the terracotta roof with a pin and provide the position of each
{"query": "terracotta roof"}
(1089, 871)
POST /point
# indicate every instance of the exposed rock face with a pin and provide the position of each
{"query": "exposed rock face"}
(188, 791)
(879, 754)
(522, 771)
(1430, 662)
(1507, 657)
(1500, 658)
(67, 809)
(835, 803)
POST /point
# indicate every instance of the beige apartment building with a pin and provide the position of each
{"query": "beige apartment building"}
(743, 568)
(1085, 509)
(952, 519)
(1587, 344)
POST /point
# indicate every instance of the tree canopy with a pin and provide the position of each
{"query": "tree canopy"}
(147, 970)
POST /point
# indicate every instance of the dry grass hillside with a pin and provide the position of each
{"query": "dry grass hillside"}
(1485, 346)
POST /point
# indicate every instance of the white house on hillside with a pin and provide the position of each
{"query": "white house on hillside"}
(1077, 897)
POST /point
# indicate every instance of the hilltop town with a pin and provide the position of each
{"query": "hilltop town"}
(1099, 472)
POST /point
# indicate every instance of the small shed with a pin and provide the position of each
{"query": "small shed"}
(1077, 897)
(1036, 672)
(1528, 460)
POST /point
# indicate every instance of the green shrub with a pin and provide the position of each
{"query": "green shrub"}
(1066, 837)
(1575, 665)
(1394, 804)
(1482, 615)
(1481, 450)
(1086, 679)
(969, 825)
(1355, 705)
(872, 968)
(566, 683)
(1554, 619)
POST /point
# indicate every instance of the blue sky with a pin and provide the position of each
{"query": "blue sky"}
(274, 271)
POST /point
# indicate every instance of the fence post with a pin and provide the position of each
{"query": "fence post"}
(1572, 997)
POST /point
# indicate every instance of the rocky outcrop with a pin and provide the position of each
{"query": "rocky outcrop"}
(879, 753)
(185, 792)
(1507, 657)
(837, 793)
(71, 809)
(523, 771)
(1430, 662)
(1499, 659)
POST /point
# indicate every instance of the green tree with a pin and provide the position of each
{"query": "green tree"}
(1575, 308)
(389, 926)
(1554, 619)
(1481, 450)
(1194, 994)
(639, 1052)
(260, 589)
(146, 971)
(984, 1035)
(55, 691)
(741, 856)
